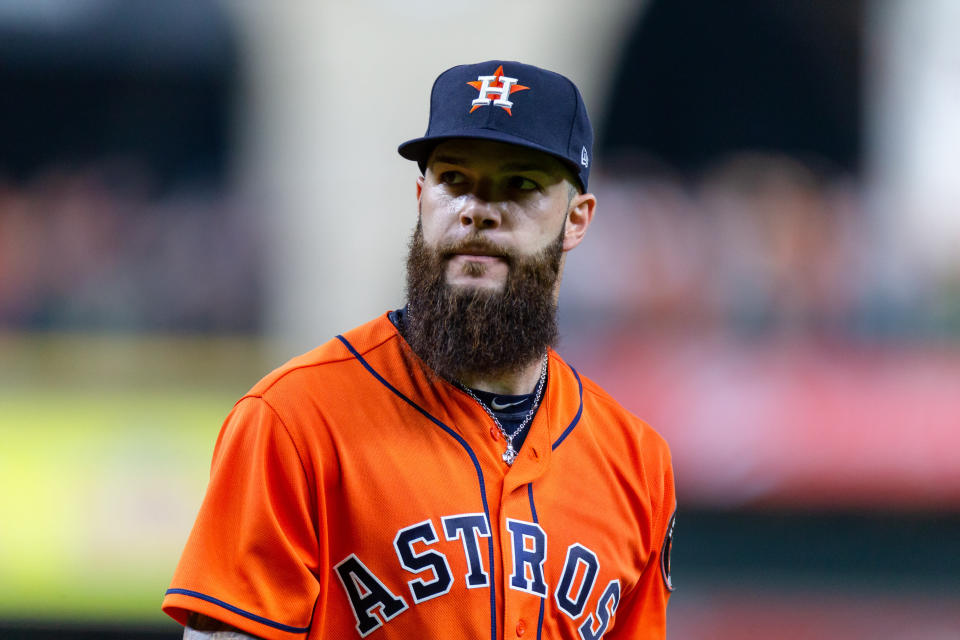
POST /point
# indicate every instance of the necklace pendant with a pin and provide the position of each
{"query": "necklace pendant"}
(509, 455)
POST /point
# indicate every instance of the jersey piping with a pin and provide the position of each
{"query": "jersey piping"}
(473, 458)
(533, 513)
(576, 418)
(246, 614)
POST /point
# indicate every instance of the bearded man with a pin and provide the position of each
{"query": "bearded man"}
(440, 472)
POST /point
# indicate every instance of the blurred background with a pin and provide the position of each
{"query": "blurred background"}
(193, 191)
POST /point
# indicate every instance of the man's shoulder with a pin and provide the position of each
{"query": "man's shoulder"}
(313, 367)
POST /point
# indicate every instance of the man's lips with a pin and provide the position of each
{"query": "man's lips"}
(477, 257)
(475, 253)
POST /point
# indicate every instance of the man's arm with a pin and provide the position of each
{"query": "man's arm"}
(201, 627)
(259, 493)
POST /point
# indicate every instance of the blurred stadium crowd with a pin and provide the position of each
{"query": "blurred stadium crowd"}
(758, 245)
(95, 248)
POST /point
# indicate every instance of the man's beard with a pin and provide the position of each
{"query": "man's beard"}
(483, 332)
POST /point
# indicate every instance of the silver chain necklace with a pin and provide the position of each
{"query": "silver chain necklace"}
(511, 454)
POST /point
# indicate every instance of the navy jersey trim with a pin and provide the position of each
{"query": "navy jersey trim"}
(533, 507)
(533, 512)
(238, 610)
(576, 418)
(476, 463)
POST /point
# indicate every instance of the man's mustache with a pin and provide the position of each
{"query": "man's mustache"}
(475, 245)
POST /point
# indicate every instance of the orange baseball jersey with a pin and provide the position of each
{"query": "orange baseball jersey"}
(353, 494)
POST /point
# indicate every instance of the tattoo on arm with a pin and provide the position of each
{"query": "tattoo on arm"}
(201, 627)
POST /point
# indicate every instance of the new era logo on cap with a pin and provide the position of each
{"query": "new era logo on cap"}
(508, 102)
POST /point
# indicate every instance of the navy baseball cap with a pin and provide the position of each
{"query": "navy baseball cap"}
(509, 102)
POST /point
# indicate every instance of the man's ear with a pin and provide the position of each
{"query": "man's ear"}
(419, 187)
(579, 215)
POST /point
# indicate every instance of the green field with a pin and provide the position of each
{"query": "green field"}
(105, 446)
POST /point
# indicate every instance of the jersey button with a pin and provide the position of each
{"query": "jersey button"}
(521, 627)
(494, 433)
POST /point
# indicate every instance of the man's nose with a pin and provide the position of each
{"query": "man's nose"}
(480, 213)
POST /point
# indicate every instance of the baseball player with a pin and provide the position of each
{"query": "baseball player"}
(441, 472)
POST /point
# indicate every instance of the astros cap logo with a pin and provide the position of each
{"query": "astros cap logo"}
(498, 84)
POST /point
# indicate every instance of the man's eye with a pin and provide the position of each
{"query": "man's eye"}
(523, 184)
(451, 177)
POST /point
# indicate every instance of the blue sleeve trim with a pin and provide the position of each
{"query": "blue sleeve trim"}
(576, 418)
(473, 457)
(238, 610)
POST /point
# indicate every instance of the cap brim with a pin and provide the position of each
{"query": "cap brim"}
(419, 149)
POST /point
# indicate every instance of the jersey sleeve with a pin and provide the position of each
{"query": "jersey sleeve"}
(642, 614)
(252, 558)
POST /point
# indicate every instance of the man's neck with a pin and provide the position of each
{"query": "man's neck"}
(514, 383)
